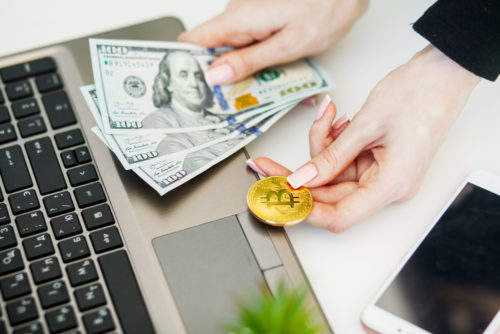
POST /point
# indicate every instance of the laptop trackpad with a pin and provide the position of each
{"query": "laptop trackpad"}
(208, 268)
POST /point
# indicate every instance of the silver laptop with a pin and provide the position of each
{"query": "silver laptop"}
(86, 246)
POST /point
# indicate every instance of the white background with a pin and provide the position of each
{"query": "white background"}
(345, 270)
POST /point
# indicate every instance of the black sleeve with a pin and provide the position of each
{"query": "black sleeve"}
(467, 31)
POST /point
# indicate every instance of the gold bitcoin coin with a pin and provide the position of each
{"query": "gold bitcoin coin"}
(273, 201)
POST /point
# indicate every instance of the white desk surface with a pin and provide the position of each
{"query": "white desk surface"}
(345, 270)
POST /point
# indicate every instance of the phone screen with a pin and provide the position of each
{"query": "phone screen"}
(451, 284)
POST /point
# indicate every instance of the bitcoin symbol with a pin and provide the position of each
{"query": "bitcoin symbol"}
(283, 197)
(274, 202)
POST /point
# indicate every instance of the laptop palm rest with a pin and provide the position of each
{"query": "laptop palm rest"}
(209, 268)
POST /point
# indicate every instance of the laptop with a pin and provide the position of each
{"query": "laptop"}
(88, 247)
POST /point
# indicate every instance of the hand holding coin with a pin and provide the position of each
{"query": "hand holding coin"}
(273, 201)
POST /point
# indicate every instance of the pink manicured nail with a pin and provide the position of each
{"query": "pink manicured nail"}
(310, 101)
(253, 166)
(341, 121)
(220, 74)
(322, 107)
(302, 175)
(338, 132)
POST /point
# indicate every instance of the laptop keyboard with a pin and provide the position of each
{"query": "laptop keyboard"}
(63, 266)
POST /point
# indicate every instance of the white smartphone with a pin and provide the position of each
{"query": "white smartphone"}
(450, 281)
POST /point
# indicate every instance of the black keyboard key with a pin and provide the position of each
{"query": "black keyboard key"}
(45, 270)
(22, 311)
(74, 249)
(53, 294)
(34, 328)
(124, 291)
(10, 261)
(7, 237)
(69, 158)
(98, 322)
(25, 108)
(31, 223)
(7, 133)
(23, 201)
(32, 126)
(82, 155)
(81, 175)
(66, 226)
(89, 297)
(19, 90)
(89, 195)
(4, 113)
(2, 99)
(58, 204)
(106, 239)
(21, 71)
(15, 286)
(4, 214)
(45, 165)
(58, 109)
(13, 169)
(48, 82)
(82, 272)
(38, 246)
(69, 138)
(98, 216)
(61, 319)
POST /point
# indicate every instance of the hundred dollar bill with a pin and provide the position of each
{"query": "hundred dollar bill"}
(137, 150)
(149, 87)
(166, 175)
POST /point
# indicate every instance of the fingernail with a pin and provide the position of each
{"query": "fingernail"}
(253, 166)
(310, 101)
(302, 175)
(322, 107)
(338, 132)
(341, 121)
(220, 74)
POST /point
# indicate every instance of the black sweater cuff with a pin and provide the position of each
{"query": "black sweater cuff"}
(467, 31)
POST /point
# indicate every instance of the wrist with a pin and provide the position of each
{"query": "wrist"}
(440, 65)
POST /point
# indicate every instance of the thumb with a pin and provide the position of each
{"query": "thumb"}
(324, 167)
(241, 63)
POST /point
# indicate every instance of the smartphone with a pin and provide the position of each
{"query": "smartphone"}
(450, 281)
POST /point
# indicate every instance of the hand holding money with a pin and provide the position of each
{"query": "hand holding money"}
(156, 112)
(272, 32)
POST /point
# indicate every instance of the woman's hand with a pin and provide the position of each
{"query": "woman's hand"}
(272, 32)
(382, 154)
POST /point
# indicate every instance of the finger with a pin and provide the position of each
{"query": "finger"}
(340, 125)
(241, 63)
(233, 27)
(311, 101)
(327, 165)
(354, 171)
(320, 132)
(328, 194)
(267, 167)
(355, 207)
(333, 193)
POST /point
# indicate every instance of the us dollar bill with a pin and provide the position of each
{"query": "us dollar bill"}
(168, 174)
(160, 87)
(137, 150)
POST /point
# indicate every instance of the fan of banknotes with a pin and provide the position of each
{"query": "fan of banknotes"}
(156, 112)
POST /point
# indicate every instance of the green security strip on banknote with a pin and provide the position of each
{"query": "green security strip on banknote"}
(160, 87)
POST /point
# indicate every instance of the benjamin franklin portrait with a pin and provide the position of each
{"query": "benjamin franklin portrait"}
(182, 96)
